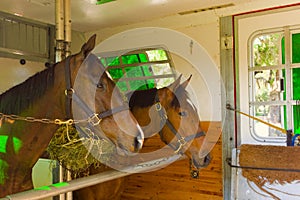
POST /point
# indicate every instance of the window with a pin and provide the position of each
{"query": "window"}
(24, 38)
(140, 69)
(274, 74)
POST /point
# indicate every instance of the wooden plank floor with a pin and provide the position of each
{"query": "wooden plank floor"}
(174, 181)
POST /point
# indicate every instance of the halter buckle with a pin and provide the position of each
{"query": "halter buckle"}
(69, 92)
(181, 141)
(94, 119)
(158, 106)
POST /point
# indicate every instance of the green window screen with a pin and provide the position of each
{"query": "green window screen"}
(140, 70)
(295, 72)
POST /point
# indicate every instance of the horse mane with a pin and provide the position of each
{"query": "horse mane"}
(22, 96)
(141, 98)
(145, 98)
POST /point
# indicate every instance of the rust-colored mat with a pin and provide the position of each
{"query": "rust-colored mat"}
(282, 162)
(273, 157)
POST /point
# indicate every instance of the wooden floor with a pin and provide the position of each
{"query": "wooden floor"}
(174, 181)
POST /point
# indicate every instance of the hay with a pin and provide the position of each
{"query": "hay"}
(77, 153)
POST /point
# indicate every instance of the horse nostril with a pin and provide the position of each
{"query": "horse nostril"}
(207, 160)
(136, 144)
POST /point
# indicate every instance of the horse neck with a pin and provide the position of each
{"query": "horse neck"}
(28, 140)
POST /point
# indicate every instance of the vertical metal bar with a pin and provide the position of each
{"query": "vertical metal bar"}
(288, 77)
(67, 26)
(228, 97)
(59, 30)
(61, 179)
(59, 54)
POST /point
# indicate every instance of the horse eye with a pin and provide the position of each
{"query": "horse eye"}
(100, 85)
(182, 114)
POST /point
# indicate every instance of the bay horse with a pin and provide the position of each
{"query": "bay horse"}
(169, 112)
(31, 111)
(172, 115)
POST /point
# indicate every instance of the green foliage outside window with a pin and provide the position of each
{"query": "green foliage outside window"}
(128, 69)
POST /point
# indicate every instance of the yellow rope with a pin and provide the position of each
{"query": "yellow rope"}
(257, 119)
(262, 121)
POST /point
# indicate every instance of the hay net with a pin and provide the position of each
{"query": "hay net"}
(76, 153)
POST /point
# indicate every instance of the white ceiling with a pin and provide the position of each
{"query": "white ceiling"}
(87, 16)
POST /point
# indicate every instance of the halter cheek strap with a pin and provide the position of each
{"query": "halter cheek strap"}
(69, 90)
(181, 141)
(94, 118)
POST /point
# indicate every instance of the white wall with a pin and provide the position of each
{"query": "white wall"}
(13, 73)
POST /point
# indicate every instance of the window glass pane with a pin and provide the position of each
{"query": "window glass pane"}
(122, 86)
(116, 73)
(296, 113)
(266, 50)
(296, 83)
(147, 70)
(143, 57)
(267, 85)
(134, 71)
(130, 59)
(163, 82)
(157, 55)
(295, 48)
(138, 85)
(271, 114)
(159, 69)
(112, 61)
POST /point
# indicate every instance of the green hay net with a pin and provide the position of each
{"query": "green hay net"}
(77, 153)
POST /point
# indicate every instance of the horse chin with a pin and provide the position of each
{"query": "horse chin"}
(124, 152)
(201, 162)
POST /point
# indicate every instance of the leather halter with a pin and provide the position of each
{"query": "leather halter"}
(95, 118)
(181, 141)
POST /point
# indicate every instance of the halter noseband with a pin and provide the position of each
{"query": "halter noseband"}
(95, 118)
(181, 141)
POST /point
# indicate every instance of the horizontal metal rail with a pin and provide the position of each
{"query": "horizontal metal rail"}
(64, 187)
(228, 160)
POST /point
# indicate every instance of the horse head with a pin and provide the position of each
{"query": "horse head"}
(97, 98)
(182, 130)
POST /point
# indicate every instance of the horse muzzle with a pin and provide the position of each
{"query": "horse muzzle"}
(201, 162)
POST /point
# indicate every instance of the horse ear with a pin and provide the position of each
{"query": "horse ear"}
(175, 84)
(88, 46)
(185, 83)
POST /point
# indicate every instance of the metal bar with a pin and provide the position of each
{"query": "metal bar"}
(59, 188)
(65, 187)
(59, 19)
(288, 76)
(67, 26)
(59, 27)
(228, 160)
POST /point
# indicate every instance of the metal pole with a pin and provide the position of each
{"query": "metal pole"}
(59, 30)
(59, 55)
(65, 187)
(67, 51)
(67, 25)
(59, 188)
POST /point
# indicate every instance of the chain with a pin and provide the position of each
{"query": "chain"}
(12, 118)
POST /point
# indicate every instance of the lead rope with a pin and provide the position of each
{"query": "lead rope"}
(257, 119)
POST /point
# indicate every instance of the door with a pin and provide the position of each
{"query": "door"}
(267, 84)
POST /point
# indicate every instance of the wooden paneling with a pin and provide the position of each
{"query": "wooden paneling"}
(174, 181)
